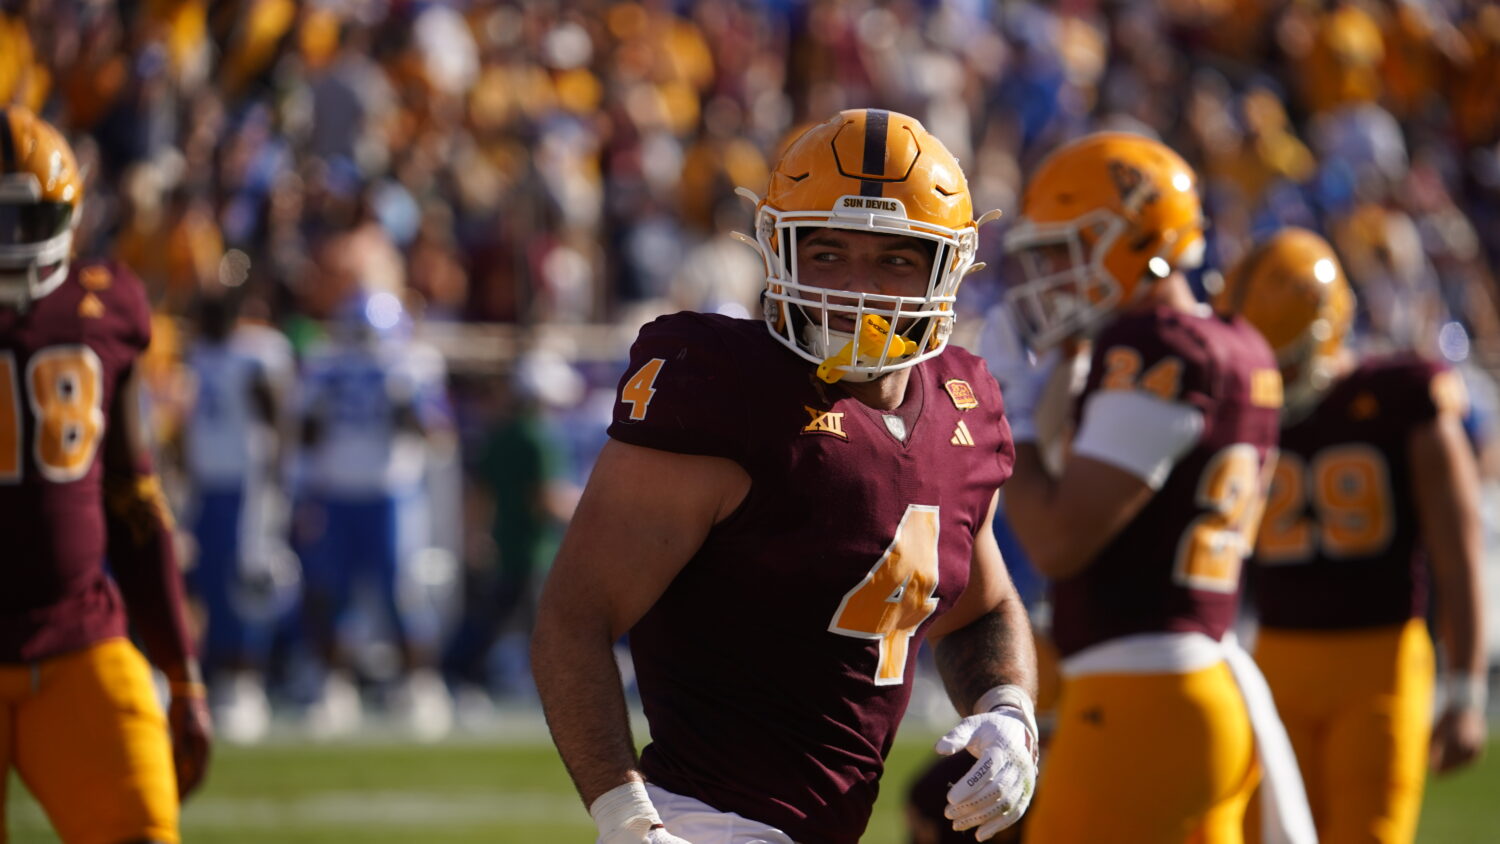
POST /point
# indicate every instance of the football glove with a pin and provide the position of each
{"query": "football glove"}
(1002, 736)
(624, 815)
(1022, 375)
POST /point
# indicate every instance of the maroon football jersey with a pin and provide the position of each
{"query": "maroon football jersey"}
(60, 362)
(1176, 566)
(1338, 547)
(775, 668)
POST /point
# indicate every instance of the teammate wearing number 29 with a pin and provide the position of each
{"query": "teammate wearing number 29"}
(82, 725)
(1143, 525)
(781, 518)
(1375, 480)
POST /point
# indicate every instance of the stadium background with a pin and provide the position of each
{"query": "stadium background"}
(534, 180)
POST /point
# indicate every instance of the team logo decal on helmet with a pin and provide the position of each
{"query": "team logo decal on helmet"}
(874, 171)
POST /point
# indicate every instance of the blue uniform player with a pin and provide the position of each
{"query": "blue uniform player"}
(231, 453)
(370, 400)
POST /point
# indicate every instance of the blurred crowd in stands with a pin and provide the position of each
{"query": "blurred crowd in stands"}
(547, 167)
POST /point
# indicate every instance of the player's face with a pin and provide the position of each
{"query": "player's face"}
(864, 262)
(1059, 275)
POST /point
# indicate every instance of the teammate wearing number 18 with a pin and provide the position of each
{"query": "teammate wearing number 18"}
(782, 517)
(1376, 479)
(81, 723)
(1143, 528)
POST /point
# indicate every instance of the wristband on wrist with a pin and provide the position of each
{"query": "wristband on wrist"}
(1466, 691)
(624, 812)
(1013, 700)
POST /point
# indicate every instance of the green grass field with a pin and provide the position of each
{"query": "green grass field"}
(514, 791)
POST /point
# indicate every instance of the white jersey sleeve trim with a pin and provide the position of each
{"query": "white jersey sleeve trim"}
(1137, 432)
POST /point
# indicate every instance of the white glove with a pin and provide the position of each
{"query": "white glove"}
(1002, 736)
(1021, 373)
(624, 815)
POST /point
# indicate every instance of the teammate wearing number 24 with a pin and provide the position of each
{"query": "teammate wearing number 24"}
(82, 724)
(782, 517)
(1375, 480)
(1142, 527)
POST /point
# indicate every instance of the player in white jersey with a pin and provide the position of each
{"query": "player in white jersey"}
(370, 402)
(231, 446)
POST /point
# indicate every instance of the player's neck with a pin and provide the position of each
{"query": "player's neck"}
(1172, 292)
(884, 393)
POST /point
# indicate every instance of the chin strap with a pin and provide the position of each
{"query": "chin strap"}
(873, 332)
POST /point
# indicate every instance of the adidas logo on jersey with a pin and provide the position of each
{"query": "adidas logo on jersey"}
(961, 435)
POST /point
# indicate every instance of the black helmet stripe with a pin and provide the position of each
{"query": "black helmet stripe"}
(7, 144)
(877, 121)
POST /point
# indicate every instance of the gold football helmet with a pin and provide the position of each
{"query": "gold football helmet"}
(1102, 215)
(874, 171)
(1293, 290)
(41, 193)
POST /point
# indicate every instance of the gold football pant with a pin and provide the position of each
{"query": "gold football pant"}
(1148, 759)
(1357, 705)
(86, 734)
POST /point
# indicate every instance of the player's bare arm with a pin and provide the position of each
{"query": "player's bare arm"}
(1064, 521)
(642, 516)
(1447, 496)
(985, 640)
(987, 660)
(142, 555)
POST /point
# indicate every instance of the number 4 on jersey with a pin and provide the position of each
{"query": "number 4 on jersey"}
(638, 391)
(897, 595)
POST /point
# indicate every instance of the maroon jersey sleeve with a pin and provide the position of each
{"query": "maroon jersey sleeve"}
(681, 391)
(1158, 356)
(138, 519)
(1417, 389)
(134, 306)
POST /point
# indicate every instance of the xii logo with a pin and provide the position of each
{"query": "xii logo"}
(824, 422)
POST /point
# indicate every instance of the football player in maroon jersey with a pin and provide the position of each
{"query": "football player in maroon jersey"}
(782, 517)
(81, 720)
(1375, 480)
(1142, 524)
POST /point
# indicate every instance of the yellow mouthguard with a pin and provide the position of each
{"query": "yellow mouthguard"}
(872, 333)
